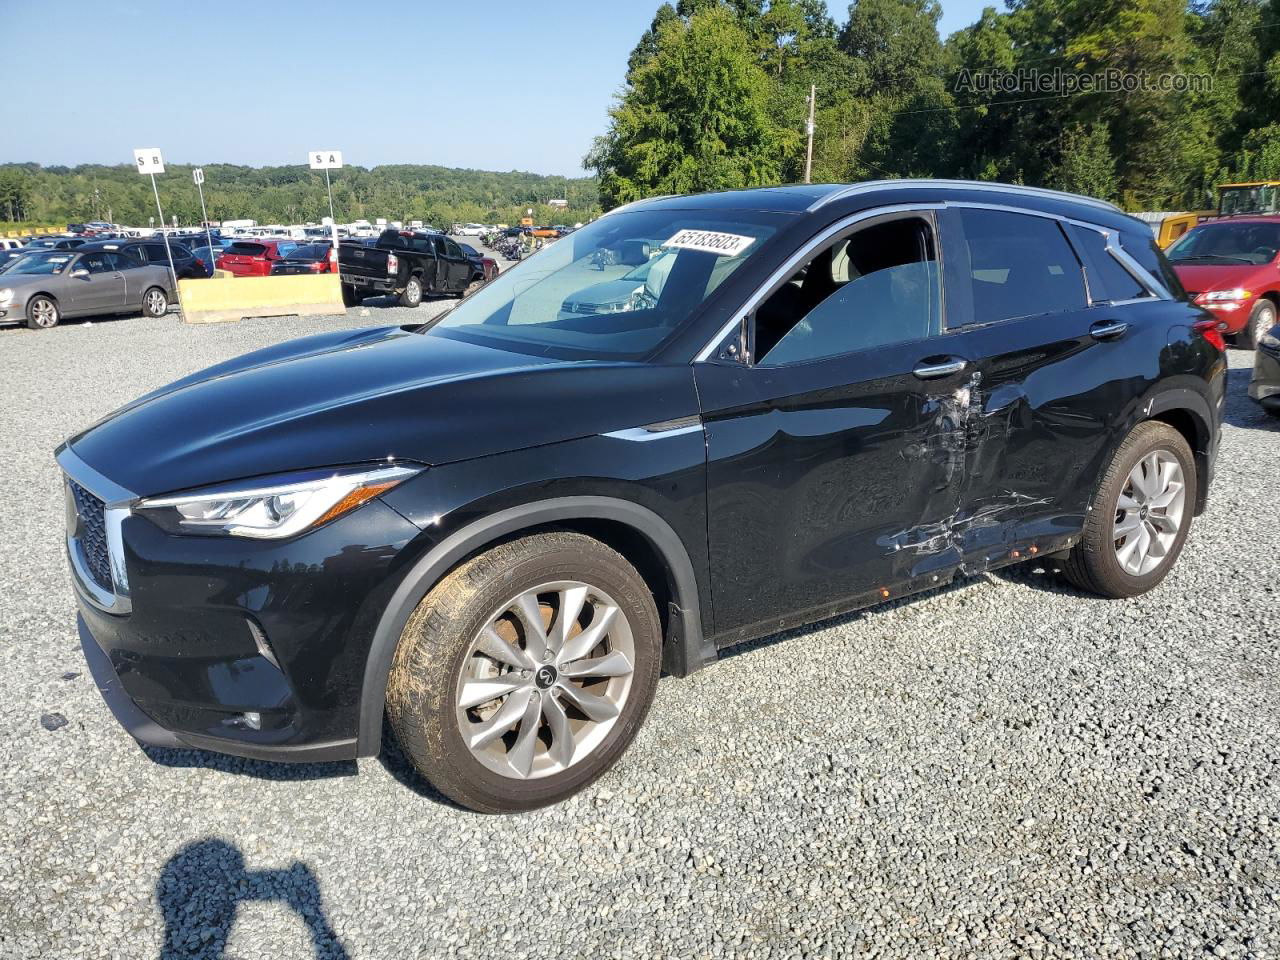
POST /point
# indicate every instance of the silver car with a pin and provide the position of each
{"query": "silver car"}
(44, 286)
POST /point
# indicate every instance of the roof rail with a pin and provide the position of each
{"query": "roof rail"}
(865, 187)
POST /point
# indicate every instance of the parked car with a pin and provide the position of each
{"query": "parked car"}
(631, 291)
(253, 258)
(546, 233)
(185, 263)
(42, 287)
(55, 243)
(470, 230)
(498, 528)
(1231, 267)
(308, 258)
(1264, 387)
(10, 244)
(9, 256)
(483, 269)
(407, 263)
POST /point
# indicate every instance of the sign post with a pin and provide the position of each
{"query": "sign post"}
(327, 160)
(198, 176)
(149, 161)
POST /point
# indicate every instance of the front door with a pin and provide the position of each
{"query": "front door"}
(834, 460)
(102, 289)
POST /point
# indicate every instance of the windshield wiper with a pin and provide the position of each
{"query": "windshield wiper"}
(1214, 256)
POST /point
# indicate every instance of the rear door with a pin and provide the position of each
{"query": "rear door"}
(457, 264)
(1055, 370)
(834, 463)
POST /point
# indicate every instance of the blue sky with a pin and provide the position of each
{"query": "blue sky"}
(496, 85)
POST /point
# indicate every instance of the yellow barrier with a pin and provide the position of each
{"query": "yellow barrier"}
(218, 299)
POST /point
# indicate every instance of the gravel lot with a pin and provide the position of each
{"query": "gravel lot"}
(1001, 769)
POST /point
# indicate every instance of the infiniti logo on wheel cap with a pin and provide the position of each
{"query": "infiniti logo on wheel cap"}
(545, 677)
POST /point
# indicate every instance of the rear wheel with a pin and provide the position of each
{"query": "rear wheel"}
(1261, 319)
(349, 296)
(155, 302)
(1140, 516)
(42, 313)
(526, 672)
(411, 295)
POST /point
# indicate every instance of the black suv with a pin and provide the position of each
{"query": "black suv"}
(499, 527)
(185, 263)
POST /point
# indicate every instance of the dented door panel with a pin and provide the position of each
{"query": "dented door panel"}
(812, 469)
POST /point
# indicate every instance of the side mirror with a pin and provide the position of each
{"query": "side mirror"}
(79, 272)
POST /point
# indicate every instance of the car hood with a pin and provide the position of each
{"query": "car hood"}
(21, 283)
(1201, 277)
(365, 396)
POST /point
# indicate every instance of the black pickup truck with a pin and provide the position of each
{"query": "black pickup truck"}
(407, 263)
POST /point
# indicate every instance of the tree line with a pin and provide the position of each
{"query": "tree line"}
(1183, 96)
(290, 194)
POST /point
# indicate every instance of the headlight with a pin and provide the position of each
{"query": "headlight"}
(1217, 296)
(275, 508)
(6, 295)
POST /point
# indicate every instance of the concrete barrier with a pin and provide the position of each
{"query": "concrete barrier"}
(219, 299)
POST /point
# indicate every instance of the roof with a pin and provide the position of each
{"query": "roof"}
(809, 198)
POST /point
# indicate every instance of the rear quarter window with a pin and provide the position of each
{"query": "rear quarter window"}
(1142, 247)
(1108, 279)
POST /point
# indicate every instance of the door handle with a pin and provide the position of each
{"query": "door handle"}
(1108, 329)
(931, 371)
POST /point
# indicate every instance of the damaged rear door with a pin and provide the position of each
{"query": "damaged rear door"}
(1050, 374)
(841, 432)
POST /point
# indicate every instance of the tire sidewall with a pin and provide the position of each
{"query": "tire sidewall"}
(57, 313)
(413, 292)
(1257, 326)
(1173, 444)
(487, 790)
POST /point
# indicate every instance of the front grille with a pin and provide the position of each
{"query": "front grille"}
(93, 534)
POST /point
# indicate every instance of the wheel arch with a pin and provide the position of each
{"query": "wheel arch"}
(1188, 412)
(644, 538)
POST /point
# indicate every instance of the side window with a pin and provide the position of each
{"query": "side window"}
(421, 244)
(876, 286)
(96, 263)
(1108, 279)
(454, 250)
(1019, 266)
(155, 253)
(124, 261)
(1152, 259)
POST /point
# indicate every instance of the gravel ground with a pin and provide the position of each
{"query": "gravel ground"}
(1006, 768)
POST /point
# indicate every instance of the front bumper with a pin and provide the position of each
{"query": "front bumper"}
(250, 648)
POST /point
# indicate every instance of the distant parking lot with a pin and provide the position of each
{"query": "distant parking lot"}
(1003, 768)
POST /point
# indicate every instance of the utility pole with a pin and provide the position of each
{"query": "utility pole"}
(808, 157)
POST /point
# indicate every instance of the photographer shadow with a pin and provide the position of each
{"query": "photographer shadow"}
(203, 885)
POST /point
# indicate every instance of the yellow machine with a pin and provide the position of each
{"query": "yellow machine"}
(1259, 196)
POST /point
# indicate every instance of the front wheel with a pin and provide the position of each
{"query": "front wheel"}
(42, 313)
(1140, 516)
(155, 302)
(526, 672)
(411, 295)
(1261, 319)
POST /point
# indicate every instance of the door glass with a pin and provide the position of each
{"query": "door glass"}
(454, 250)
(1020, 266)
(96, 263)
(875, 287)
(1108, 280)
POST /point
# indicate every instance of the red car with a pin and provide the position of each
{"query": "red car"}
(254, 258)
(1231, 267)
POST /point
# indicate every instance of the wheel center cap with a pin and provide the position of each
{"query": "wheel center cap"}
(545, 677)
(1142, 514)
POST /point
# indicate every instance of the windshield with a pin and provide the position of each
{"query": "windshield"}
(42, 264)
(1228, 243)
(546, 306)
(1255, 198)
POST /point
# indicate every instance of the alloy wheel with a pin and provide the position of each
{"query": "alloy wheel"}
(1263, 321)
(44, 313)
(156, 303)
(545, 680)
(1149, 513)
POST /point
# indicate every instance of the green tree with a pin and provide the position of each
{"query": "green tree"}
(1086, 165)
(694, 116)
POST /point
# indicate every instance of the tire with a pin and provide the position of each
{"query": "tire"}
(349, 296)
(42, 313)
(411, 295)
(1095, 563)
(440, 652)
(155, 302)
(1261, 319)
(471, 288)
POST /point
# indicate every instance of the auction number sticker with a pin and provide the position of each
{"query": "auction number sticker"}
(708, 241)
